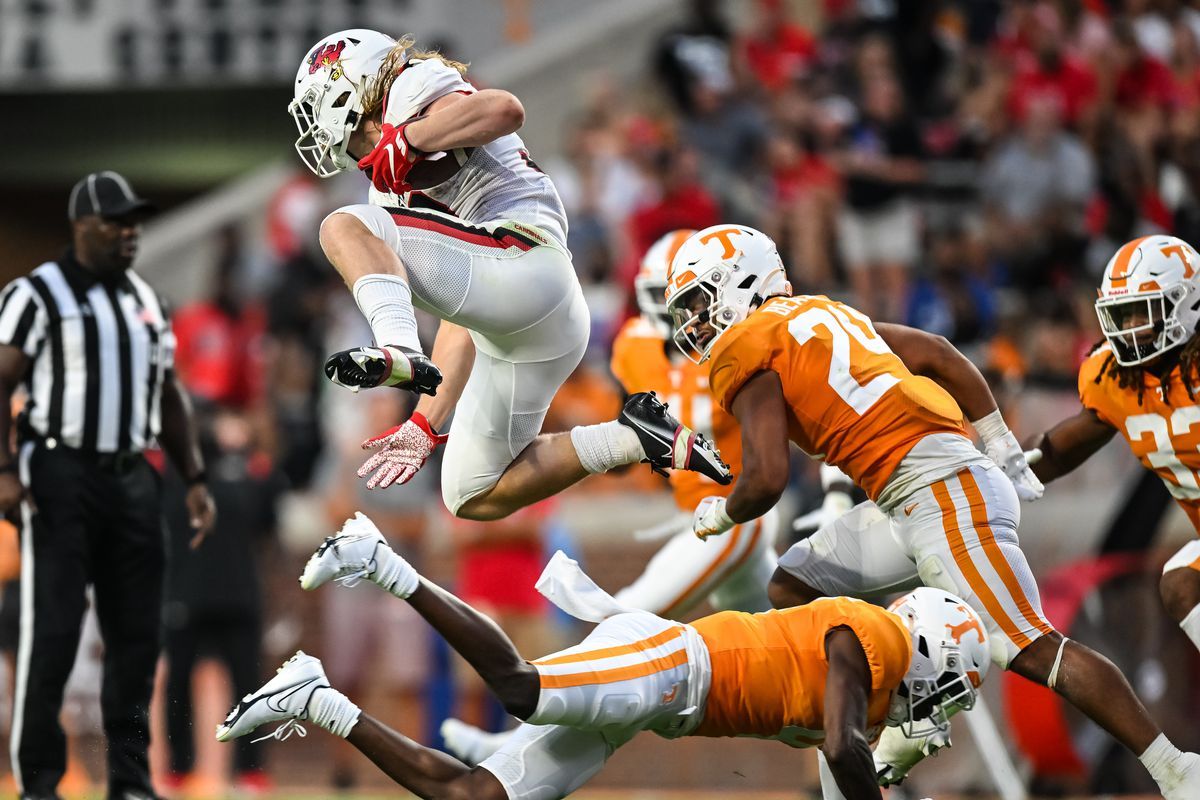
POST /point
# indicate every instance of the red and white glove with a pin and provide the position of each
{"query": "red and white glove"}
(710, 518)
(399, 452)
(389, 163)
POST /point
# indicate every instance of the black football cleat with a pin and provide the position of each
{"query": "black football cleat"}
(390, 365)
(668, 443)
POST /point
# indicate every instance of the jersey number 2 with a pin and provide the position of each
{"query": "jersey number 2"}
(842, 323)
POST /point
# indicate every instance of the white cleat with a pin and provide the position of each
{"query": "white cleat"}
(896, 754)
(469, 744)
(348, 557)
(283, 698)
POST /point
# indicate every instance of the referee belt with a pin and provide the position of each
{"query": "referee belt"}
(119, 462)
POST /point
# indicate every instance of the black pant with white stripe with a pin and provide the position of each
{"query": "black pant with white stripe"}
(91, 519)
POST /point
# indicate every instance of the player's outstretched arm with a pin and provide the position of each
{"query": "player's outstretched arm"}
(847, 693)
(934, 357)
(471, 120)
(761, 411)
(1068, 444)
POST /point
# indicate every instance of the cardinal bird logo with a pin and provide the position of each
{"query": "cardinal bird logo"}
(326, 55)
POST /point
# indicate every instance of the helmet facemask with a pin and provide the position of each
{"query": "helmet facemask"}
(323, 147)
(928, 703)
(1143, 326)
(698, 319)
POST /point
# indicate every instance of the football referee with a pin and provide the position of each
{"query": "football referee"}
(91, 344)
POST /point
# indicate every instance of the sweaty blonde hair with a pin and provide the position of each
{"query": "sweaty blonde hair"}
(404, 51)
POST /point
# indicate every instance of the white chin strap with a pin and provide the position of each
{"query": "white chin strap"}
(1052, 681)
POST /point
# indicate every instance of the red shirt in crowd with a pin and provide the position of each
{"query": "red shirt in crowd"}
(1147, 82)
(779, 57)
(218, 356)
(1072, 86)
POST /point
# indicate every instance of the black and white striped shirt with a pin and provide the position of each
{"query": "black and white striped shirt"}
(99, 352)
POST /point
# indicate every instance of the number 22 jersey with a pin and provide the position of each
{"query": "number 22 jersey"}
(850, 399)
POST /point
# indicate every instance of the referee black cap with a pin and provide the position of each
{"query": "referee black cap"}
(106, 194)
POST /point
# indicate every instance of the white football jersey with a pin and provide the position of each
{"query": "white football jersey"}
(498, 182)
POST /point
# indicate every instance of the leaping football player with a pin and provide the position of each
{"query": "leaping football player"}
(830, 674)
(462, 224)
(885, 404)
(1143, 384)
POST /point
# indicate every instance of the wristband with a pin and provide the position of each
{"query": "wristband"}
(9, 467)
(421, 422)
(197, 479)
(991, 427)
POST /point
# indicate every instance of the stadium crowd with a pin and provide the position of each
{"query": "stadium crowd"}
(963, 167)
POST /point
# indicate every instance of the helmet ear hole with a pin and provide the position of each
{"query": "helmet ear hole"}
(341, 100)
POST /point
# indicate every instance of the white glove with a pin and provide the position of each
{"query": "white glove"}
(1003, 448)
(1006, 452)
(833, 506)
(400, 452)
(710, 518)
(896, 754)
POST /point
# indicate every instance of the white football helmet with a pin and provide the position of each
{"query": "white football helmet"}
(1150, 298)
(950, 659)
(650, 285)
(327, 101)
(718, 276)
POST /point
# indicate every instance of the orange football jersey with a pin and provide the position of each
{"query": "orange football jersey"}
(851, 400)
(1162, 431)
(769, 669)
(640, 362)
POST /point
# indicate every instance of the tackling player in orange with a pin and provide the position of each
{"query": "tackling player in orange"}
(885, 404)
(831, 674)
(1143, 384)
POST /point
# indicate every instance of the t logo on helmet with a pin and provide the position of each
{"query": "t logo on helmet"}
(723, 235)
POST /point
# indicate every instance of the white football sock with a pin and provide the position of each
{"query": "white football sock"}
(393, 573)
(386, 302)
(605, 446)
(333, 711)
(1161, 760)
(1191, 626)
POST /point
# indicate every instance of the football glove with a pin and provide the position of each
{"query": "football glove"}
(399, 452)
(896, 754)
(710, 518)
(1006, 452)
(389, 163)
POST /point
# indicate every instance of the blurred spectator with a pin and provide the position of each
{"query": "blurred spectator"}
(801, 211)
(1044, 72)
(776, 50)
(951, 299)
(878, 229)
(1034, 187)
(680, 200)
(213, 603)
(219, 355)
(696, 51)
